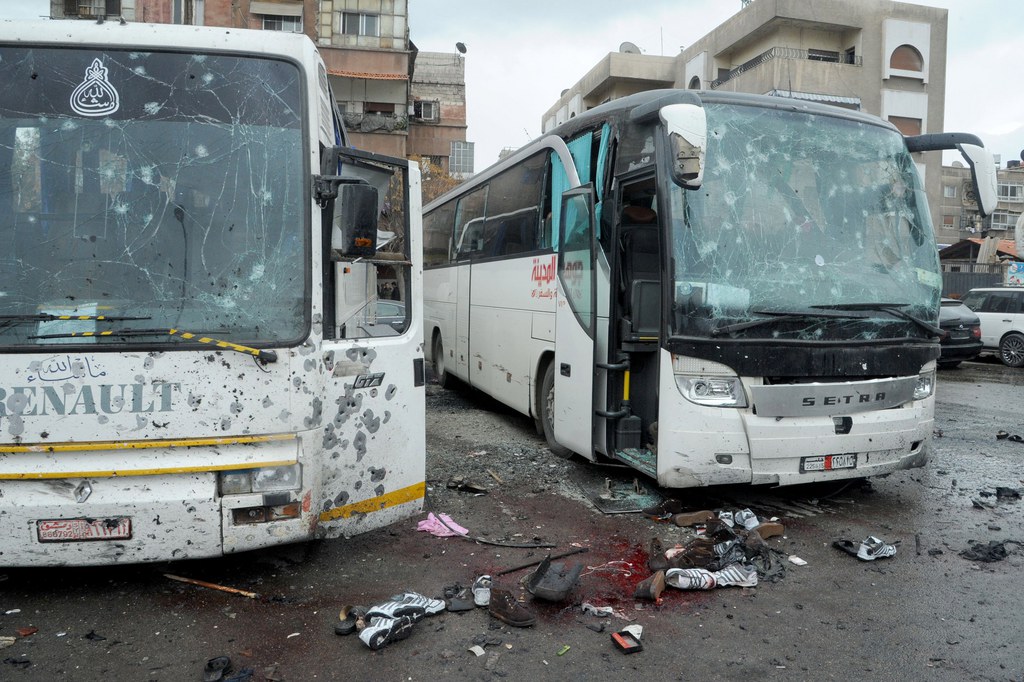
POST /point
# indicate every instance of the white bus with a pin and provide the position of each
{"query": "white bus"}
(710, 287)
(190, 361)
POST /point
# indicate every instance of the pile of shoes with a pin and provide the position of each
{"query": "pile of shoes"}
(721, 554)
(388, 622)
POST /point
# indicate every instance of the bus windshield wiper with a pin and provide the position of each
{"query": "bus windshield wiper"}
(9, 320)
(894, 309)
(264, 355)
(778, 316)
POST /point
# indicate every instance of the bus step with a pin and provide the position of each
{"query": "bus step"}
(640, 459)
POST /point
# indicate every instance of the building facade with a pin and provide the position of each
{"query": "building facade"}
(437, 115)
(877, 56)
(369, 58)
(959, 209)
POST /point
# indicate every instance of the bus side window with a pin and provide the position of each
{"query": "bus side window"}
(469, 223)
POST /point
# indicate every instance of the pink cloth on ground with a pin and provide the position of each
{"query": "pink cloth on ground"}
(432, 525)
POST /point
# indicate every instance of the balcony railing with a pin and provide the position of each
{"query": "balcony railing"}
(789, 53)
(369, 123)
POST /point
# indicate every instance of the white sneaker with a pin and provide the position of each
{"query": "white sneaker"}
(747, 519)
(737, 575)
(872, 548)
(690, 578)
(482, 590)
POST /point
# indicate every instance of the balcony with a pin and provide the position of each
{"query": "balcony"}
(375, 123)
(789, 53)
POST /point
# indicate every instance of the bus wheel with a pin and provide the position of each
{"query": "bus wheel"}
(1011, 350)
(444, 380)
(547, 412)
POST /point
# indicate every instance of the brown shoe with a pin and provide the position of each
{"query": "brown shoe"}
(769, 529)
(693, 518)
(651, 588)
(696, 553)
(656, 560)
(505, 608)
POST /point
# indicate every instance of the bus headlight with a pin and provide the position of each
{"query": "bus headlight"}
(265, 480)
(925, 385)
(712, 391)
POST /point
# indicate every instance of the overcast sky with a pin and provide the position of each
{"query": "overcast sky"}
(522, 54)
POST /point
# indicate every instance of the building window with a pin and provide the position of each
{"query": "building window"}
(426, 111)
(949, 191)
(949, 220)
(461, 159)
(823, 56)
(273, 22)
(906, 58)
(694, 83)
(1012, 193)
(92, 8)
(355, 24)
(907, 126)
(378, 108)
(850, 56)
(1004, 220)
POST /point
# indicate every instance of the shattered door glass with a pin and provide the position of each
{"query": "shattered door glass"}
(161, 189)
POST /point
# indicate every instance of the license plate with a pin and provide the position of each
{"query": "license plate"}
(959, 335)
(84, 530)
(828, 463)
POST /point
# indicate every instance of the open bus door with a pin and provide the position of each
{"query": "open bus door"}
(575, 323)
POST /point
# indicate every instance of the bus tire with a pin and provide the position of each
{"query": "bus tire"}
(547, 412)
(444, 379)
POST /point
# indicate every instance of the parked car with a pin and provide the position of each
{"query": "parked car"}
(391, 313)
(1001, 310)
(962, 338)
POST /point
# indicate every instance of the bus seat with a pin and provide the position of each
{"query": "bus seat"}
(645, 302)
(640, 253)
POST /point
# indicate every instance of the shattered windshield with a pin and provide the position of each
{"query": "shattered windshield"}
(806, 227)
(162, 190)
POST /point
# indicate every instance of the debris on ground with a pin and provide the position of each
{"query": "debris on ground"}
(441, 526)
(553, 580)
(464, 485)
(213, 586)
(989, 552)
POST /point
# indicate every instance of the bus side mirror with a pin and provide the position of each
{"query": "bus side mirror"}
(687, 129)
(354, 223)
(983, 173)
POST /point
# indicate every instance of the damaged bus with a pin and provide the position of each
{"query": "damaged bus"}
(710, 287)
(191, 360)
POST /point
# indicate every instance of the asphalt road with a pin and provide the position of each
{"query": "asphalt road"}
(926, 613)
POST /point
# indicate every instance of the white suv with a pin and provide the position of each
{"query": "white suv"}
(1001, 311)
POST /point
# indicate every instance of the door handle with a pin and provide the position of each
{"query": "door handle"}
(565, 369)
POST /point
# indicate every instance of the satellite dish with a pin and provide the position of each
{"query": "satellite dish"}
(461, 47)
(629, 48)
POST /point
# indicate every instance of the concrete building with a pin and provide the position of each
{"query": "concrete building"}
(885, 58)
(959, 209)
(369, 58)
(437, 116)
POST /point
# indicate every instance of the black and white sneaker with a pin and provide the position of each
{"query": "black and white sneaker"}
(383, 631)
(737, 575)
(873, 548)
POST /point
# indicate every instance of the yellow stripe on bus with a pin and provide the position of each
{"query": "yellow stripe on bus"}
(392, 499)
(116, 473)
(143, 444)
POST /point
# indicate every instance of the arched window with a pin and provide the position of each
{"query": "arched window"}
(694, 83)
(906, 58)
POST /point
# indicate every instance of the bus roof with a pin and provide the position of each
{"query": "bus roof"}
(624, 106)
(112, 33)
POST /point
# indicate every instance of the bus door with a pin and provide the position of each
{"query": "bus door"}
(575, 323)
